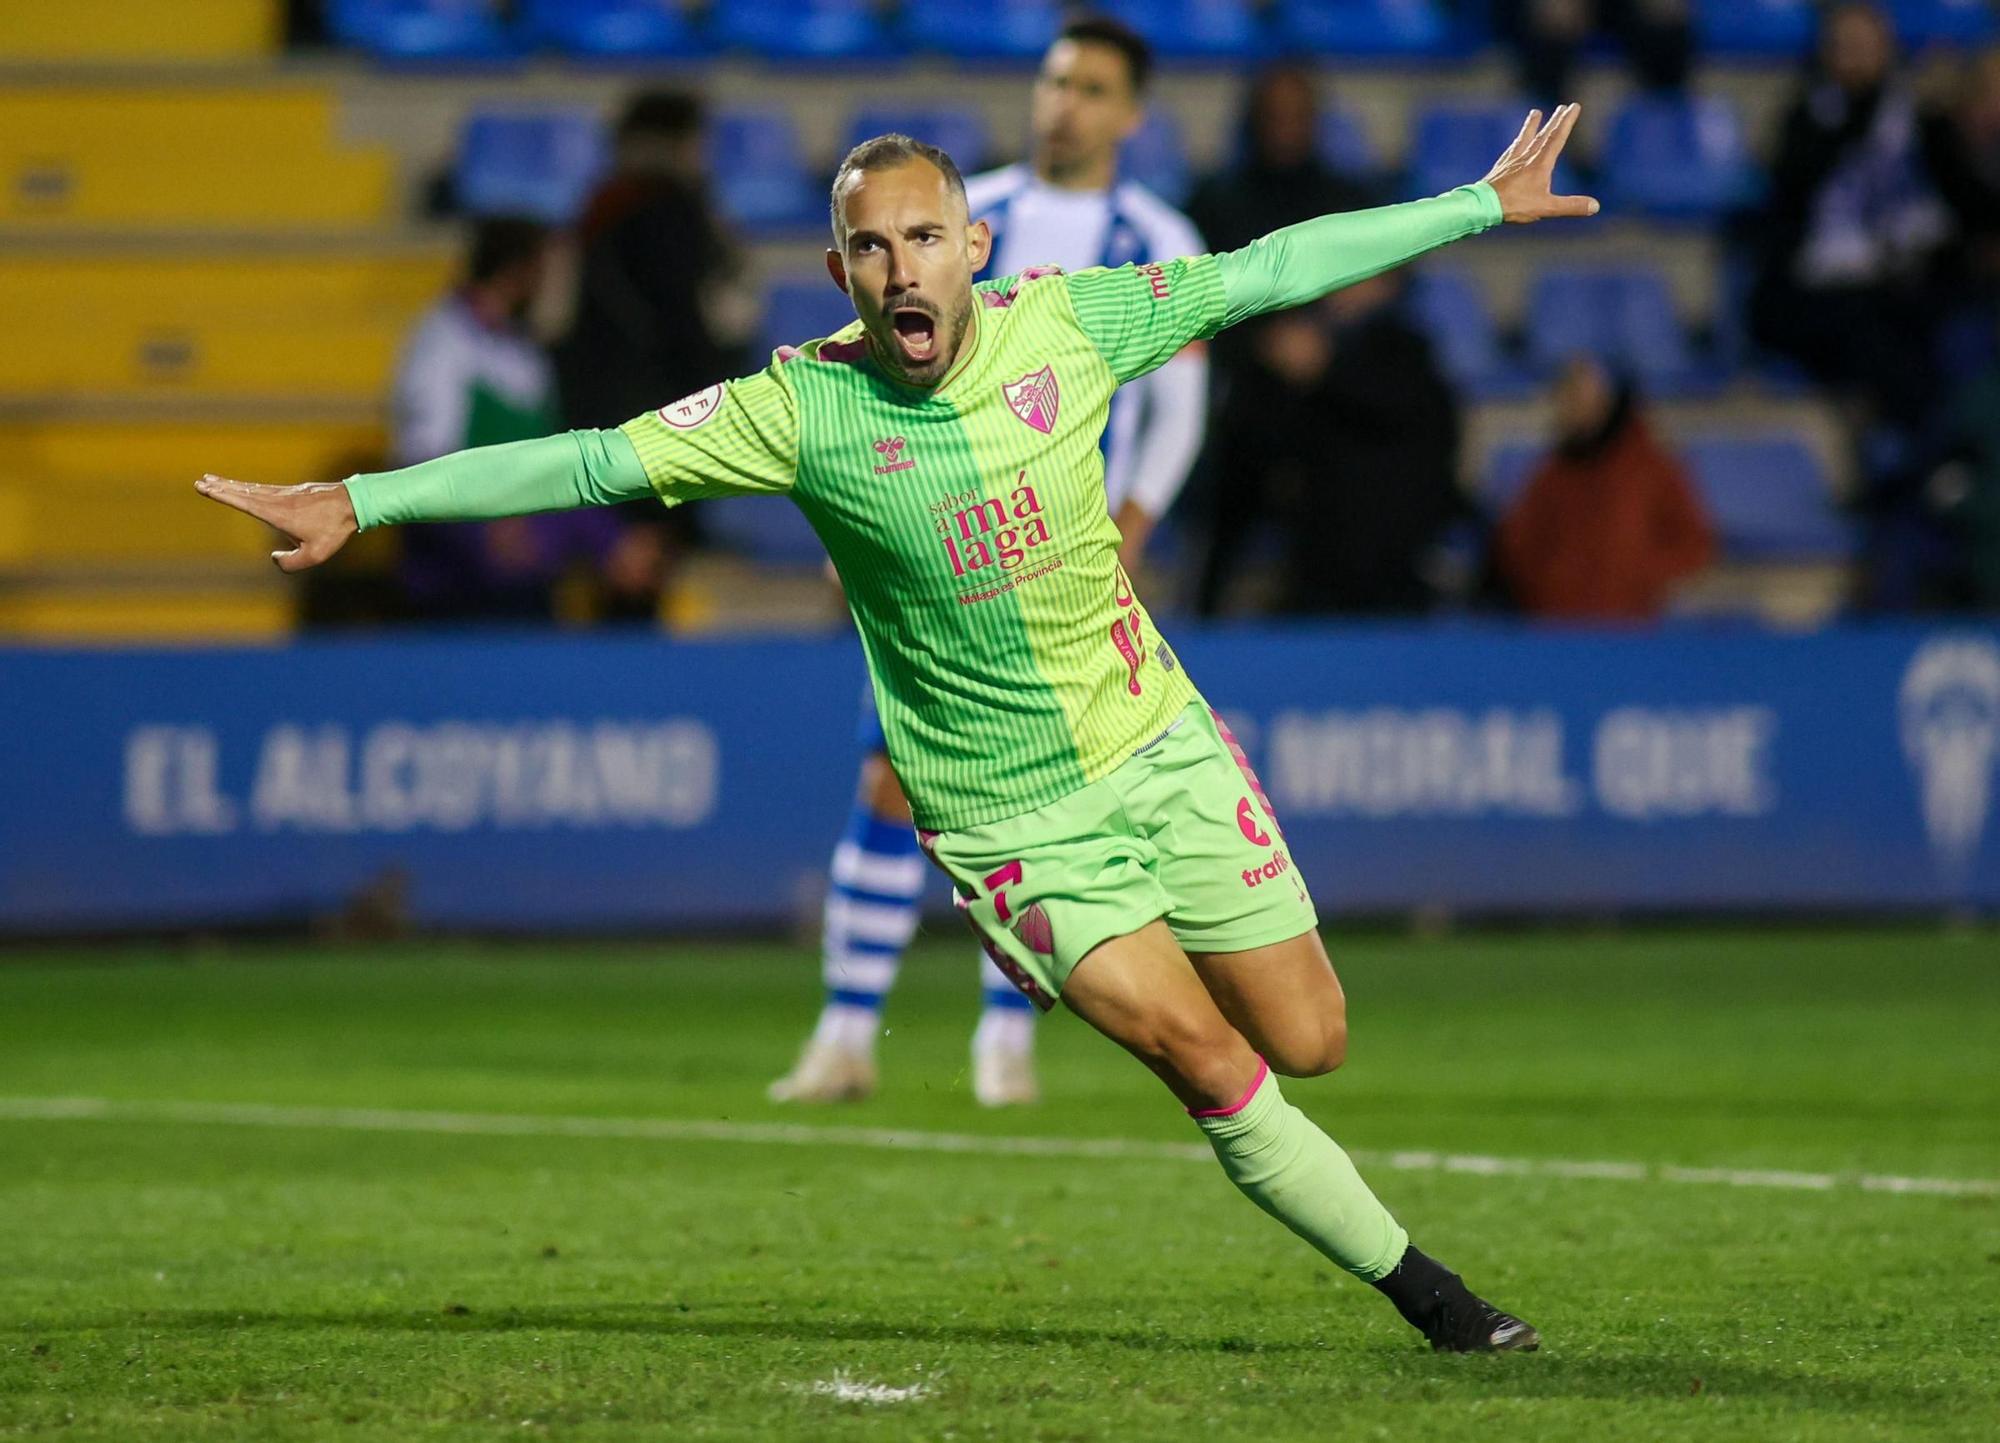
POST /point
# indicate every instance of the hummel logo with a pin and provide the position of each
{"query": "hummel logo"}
(889, 448)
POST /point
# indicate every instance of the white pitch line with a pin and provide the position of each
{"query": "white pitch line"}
(661, 1129)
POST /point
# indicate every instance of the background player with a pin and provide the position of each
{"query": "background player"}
(1064, 207)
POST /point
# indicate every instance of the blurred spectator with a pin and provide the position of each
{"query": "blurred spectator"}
(470, 375)
(662, 303)
(1965, 495)
(662, 308)
(1608, 523)
(1278, 176)
(1852, 226)
(1961, 142)
(1355, 445)
(1278, 179)
(1547, 36)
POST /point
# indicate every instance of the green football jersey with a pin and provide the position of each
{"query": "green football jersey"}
(1012, 662)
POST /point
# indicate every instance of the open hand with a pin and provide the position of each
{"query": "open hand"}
(1523, 176)
(317, 518)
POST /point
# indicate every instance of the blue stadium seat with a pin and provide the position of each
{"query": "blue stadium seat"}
(1448, 305)
(983, 29)
(1769, 498)
(1626, 318)
(1677, 158)
(1945, 22)
(1505, 474)
(959, 133)
(1456, 143)
(802, 30)
(1156, 157)
(424, 31)
(1402, 29)
(759, 172)
(1345, 145)
(541, 163)
(1193, 29)
(765, 529)
(803, 310)
(613, 29)
(1756, 28)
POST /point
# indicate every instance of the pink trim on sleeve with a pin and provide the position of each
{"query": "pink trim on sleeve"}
(1263, 1071)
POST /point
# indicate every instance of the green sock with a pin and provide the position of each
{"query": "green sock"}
(1299, 1175)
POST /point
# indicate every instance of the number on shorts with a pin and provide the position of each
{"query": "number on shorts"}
(997, 883)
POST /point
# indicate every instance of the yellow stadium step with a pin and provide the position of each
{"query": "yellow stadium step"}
(230, 190)
(77, 495)
(135, 30)
(227, 284)
(185, 155)
(107, 613)
(143, 523)
(214, 324)
(341, 360)
(105, 455)
(200, 121)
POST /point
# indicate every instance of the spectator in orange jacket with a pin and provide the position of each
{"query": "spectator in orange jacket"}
(1609, 523)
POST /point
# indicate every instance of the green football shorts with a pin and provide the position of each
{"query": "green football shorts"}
(1181, 831)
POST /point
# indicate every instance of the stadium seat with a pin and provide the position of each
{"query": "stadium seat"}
(613, 29)
(959, 132)
(759, 172)
(1345, 145)
(1677, 158)
(1769, 497)
(1456, 143)
(1397, 29)
(983, 29)
(1156, 157)
(802, 310)
(1505, 475)
(1193, 29)
(1754, 28)
(1448, 306)
(1944, 22)
(539, 163)
(1625, 317)
(424, 31)
(802, 30)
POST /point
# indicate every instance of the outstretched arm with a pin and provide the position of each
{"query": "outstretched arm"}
(736, 438)
(1139, 317)
(551, 473)
(1303, 262)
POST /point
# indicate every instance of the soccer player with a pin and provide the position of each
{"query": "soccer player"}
(1066, 208)
(1102, 832)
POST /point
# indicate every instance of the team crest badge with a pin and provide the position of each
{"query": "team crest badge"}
(1034, 398)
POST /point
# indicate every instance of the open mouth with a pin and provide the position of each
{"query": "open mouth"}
(916, 334)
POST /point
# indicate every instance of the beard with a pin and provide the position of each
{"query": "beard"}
(950, 334)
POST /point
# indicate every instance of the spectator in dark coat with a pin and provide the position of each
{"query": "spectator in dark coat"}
(1851, 228)
(1278, 179)
(1357, 448)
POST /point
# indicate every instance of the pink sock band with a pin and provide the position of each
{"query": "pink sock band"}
(1263, 1071)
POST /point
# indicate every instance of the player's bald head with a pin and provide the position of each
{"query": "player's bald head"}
(893, 152)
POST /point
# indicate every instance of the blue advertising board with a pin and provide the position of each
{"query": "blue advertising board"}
(619, 783)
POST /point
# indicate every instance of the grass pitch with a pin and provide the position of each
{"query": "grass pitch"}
(173, 1271)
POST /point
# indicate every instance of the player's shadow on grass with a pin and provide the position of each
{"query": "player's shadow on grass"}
(1599, 1373)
